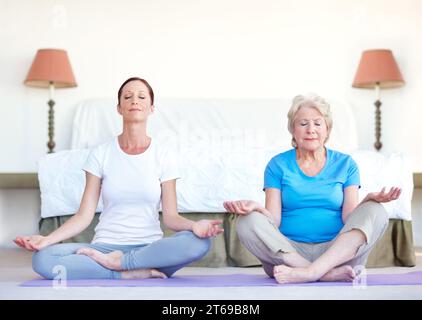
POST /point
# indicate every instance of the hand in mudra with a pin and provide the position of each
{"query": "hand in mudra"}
(207, 228)
(383, 196)
(241, 206)
(32, 243)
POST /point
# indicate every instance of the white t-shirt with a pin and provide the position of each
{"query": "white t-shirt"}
(131, 191)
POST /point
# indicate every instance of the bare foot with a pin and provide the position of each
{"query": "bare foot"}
(142, 274)
(285, 274)
(343, 273)
(110, 260)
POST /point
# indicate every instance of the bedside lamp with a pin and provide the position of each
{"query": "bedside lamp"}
(378, 69)
(51, 69)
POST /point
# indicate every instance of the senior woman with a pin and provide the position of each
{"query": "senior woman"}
(312, 226)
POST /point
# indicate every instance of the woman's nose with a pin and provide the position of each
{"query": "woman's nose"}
(311, 128)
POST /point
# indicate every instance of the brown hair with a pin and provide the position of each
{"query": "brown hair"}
(151, 92)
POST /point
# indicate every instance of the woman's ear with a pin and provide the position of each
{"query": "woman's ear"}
(152, 108)
(326, 138)
(119, 109)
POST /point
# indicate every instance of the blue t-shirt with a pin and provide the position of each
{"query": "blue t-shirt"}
(311, 206)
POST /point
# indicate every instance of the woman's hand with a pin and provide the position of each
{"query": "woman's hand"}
(207, 228)
(32, 243)
(383, 196)
(241, 206)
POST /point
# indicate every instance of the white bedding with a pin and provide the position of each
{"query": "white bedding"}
(378, 170)
(62, 182)
(223, 147)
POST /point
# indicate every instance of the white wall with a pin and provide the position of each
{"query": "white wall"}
(19, 214)
(210, 48)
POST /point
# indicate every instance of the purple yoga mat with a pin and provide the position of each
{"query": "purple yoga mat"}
(231, 280)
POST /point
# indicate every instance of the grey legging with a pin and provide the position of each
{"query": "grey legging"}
(166, 255)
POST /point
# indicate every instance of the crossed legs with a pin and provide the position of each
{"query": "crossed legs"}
(159, 259)
(325, 267)
(103, 261)
(280, 259)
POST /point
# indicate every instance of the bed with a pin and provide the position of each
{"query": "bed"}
(222, 146)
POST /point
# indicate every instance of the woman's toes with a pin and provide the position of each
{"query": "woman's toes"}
(157, 274)
(352, 274)
(143, 274)
(109, 261)
(280, 268)
(85, 251)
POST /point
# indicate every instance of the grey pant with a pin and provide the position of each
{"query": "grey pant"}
(262, 238)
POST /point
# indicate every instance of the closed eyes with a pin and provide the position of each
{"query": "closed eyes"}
(140, 97)
(303, 124)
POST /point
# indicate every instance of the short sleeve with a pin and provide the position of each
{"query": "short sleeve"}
(170, 168)
(93, 163)
(272, 176)
(353, 176)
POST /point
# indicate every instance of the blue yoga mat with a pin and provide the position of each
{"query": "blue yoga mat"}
(231, 280)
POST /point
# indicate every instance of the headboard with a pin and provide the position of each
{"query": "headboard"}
(261, 122)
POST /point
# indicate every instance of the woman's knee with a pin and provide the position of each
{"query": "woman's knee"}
(42, 263)
(203, 247)
(246, 224)
(47, 260)
(198, 247)
(379, 215)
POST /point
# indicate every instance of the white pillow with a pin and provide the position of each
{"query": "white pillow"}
(62, 182)
(378, 170)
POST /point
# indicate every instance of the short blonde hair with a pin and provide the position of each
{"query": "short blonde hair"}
(311, 100)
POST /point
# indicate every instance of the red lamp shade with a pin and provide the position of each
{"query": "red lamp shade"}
(378, 67)
(51, 66)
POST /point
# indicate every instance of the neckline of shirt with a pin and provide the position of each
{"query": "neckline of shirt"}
(116, 142)
(328, 153)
